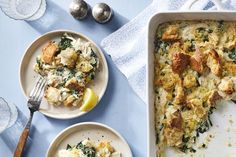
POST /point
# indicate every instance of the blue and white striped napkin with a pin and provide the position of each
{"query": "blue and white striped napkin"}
(127, 46)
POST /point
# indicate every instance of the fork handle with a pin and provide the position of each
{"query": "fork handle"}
(23, 138)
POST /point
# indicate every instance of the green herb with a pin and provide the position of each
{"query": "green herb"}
(88, 151)
(91, 75)
(191, 48)
(203, 33)
(225, 49)
(185, 139)
(64, 43)
(194, 139)
(192, 150)
(232, 54)
(159, 44)
(74, 92)
(80, 76)
(39, 63)
(221, 25)
(203, 127)
(203, 145)
(201, 29)
(183, 148)
(210, 30)
(161, 127)
(209, 120)
(205, 38)
(93, 54)
(95, 64)
(68, 147)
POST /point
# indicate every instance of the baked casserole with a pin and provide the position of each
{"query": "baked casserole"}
(69, 64)
(195, 66)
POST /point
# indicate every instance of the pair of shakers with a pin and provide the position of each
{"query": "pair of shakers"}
(101, 12)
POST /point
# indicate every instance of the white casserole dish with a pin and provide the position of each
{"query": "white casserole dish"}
(225, 133)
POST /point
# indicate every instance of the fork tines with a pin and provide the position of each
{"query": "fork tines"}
(37, 93)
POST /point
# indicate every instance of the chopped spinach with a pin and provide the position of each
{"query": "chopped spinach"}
(39, 63)
(159, 44)
(183, 148)
(201, 29)
(93, 54)
(209, 30)
(157, 138)
(74, 92)
(68, 147)
(192, 150)
(88, 151)
(91, 75)
(221, 25)
(232, 54)
(203, 127)
(205, 38)
(185, 139)
(203, 145)
(203, 33)
(191, 48)
(209, 120)
(191, 45)
(64, 43)
(161, 127)
(79, 145)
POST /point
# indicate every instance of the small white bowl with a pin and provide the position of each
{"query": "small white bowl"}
(28, 76)
(94, 131)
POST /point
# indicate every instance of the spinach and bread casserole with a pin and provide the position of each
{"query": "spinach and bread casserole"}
(69, 64)
(195, 66)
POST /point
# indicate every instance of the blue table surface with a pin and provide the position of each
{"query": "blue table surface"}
(120, 108)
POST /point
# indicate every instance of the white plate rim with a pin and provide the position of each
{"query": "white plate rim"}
(83, 36)
(88, 123)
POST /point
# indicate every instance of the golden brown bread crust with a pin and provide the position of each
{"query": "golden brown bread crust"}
(214, 62)
(171, 34)
(48, 52)
(227, 86)
(180, 61)
(177, 121)
(230, 67)
(69, 100)
(73, 84)
(214, 97)
(197, 61)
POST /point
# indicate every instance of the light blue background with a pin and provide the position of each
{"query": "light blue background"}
(120, 108)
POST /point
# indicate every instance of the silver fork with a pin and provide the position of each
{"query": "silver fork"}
(33, 103)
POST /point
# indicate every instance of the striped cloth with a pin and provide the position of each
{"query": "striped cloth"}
(127, 46)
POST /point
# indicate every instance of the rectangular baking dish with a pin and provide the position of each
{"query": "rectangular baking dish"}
(221, 118)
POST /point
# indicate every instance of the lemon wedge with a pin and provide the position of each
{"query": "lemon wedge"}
(90, 100)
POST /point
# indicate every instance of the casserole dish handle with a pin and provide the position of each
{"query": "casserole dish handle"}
(188, 5)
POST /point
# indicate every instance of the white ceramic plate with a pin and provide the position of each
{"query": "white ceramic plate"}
(28, 76)
(95, 131)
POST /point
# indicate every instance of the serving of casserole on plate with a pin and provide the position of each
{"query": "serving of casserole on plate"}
(69, 66)
(89, 139)
(194, 68)
(76, 72)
